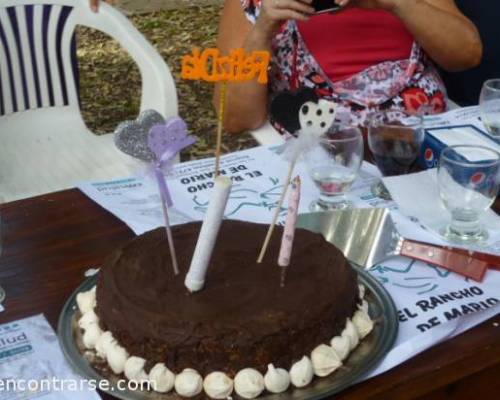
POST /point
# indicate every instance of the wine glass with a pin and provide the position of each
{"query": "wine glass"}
(333, 165)
(395, 139)
(489, 106)
(469, 179)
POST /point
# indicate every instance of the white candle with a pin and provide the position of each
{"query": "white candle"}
(195, 277)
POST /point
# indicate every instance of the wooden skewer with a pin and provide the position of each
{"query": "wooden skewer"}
(276, 214)
(222, 110)
(170, 238)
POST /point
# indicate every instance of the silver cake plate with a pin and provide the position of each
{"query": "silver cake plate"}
(360, 362)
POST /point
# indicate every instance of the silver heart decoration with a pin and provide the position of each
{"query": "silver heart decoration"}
(131, 137)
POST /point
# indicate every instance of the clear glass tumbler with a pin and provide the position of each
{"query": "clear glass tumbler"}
(334, 165)
(489, 106)
(469, 179)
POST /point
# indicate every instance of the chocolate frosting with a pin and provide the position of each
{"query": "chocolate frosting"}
(242, 318)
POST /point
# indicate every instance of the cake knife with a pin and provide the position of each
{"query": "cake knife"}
(368, 236)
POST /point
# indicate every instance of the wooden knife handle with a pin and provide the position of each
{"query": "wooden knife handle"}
(462, 264)
(492, 260)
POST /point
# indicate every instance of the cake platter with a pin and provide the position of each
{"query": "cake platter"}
(361, 361)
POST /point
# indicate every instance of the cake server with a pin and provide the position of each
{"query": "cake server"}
(368, 236)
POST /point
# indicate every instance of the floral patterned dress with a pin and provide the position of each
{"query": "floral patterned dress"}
(403, 85)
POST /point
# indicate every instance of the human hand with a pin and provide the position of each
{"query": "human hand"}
(94, 4)
(380, 4)
(274, 12)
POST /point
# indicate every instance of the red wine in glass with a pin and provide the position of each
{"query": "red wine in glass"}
(395, 144)
(395, 157)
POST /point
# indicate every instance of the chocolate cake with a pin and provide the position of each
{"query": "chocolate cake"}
(242, 318)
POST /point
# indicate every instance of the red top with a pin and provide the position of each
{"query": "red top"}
(350, 41)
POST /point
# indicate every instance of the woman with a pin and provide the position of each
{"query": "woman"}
(373, 54)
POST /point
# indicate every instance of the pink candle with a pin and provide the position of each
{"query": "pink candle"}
(290, 222)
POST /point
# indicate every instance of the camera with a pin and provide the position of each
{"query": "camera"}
(324, 6)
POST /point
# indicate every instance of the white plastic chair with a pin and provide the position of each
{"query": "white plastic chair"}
(267, 135)
(44, 143)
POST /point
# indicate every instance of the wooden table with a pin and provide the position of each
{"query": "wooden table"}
(49, 242)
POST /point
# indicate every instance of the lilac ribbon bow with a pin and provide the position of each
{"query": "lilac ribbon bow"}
(166, 141)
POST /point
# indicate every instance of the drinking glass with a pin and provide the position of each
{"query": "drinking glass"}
(395, 139)
(489, 106)
(333, 165)
(468, 179)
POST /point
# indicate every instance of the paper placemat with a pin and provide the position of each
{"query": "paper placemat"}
(32, 365)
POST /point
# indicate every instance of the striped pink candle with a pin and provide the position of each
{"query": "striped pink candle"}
(290, 223)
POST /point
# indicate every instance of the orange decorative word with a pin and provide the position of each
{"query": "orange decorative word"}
(209, 65)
